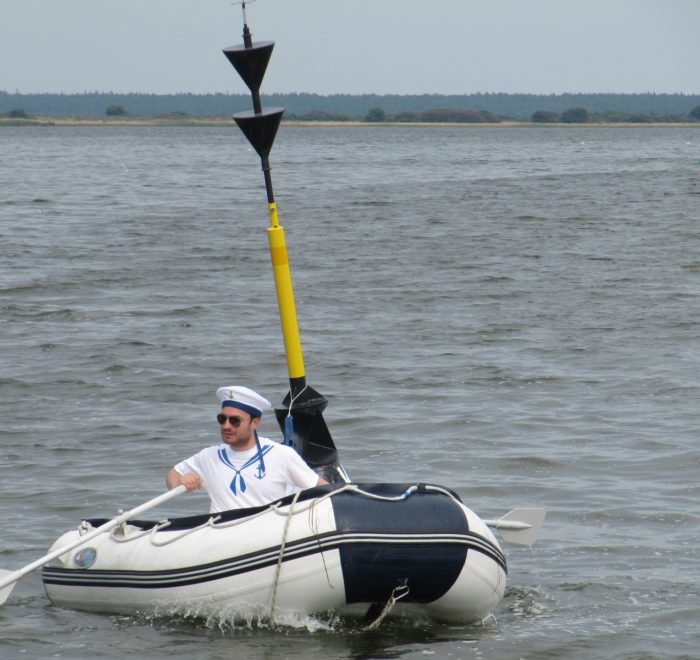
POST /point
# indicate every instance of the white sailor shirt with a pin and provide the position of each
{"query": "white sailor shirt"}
(235, 480)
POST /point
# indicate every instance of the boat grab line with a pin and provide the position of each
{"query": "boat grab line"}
(276, 507)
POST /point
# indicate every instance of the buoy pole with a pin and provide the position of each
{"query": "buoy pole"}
(300, 416)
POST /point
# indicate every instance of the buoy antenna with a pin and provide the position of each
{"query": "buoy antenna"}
(247, 36)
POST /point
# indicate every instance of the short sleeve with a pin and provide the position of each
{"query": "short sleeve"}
(299, 473)
(191, 464)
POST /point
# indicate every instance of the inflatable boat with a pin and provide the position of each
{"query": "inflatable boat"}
(342, 547)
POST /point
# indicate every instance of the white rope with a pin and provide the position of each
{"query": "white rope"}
(288, 431)
(239, 521)
(122, 537)
(491, 616)
(292, 399)
(121, 534)
(313, 525)
(281, 557)
(444, 491)
(351, 488)
(397, 594)
(187, 532)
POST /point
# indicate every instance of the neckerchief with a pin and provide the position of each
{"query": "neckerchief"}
(238, 477)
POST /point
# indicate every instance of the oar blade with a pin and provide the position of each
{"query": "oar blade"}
(520, 526)
(7, 589)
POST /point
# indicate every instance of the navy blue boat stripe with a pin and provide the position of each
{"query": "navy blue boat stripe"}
(264, 558)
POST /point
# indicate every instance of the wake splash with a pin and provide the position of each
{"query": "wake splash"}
(243, 617)
(246, 618)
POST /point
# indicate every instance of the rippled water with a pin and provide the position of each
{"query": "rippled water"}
(512, 313)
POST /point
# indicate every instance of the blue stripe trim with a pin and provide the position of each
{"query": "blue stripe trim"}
(265, 557)
(223, 455)
(242, 406)
(224, 458)
(260, 453)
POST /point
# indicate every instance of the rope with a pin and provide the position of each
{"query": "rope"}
(240, 521)
(210, 523)
(313, 524)
(122, 536)
(292, 399)
(289, 420)
(281, 557)
(444, 491)
(352, 488)
(397, 594)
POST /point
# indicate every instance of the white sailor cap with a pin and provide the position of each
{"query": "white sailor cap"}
(243, 398)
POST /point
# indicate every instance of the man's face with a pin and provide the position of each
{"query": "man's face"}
(237, 429)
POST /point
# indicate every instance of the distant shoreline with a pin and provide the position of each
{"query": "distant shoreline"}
(227, 121)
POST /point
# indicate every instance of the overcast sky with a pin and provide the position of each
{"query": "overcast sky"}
(354, 46)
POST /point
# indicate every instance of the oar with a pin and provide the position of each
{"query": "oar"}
(8, 578)
(521, 526)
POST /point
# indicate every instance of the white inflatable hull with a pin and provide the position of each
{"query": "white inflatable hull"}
(333, 549)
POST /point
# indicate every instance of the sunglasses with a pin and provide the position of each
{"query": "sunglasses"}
(233, 420)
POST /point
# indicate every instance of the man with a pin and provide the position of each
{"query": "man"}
(245, 470)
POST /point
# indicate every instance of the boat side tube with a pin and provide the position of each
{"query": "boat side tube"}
(328, 548)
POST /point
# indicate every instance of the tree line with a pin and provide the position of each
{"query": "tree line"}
(570, 116)
(438, 115)
(400, 107)
(378, 115)
(582, 116)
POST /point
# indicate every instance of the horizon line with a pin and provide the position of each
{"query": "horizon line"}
(358, 94)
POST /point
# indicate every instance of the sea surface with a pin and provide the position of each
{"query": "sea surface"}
(513, 313)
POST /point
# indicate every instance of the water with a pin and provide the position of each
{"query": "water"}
(512, 313)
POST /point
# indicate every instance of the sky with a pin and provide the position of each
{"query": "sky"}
(354, 46)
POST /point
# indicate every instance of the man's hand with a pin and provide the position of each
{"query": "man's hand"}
(190, 480)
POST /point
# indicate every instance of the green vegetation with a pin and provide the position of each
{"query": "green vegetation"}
(318, 115)
(375, 114)
(443, 115)
(116, 111)
(433, 116)
(545, 117)
(575, 116)
(582, 116)
(467, 108)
